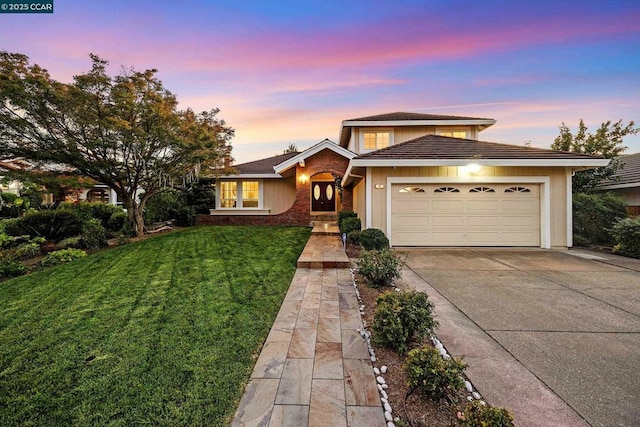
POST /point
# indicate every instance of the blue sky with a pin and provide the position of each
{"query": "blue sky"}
(289, 72)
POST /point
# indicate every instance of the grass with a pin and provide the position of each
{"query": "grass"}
(161, 332)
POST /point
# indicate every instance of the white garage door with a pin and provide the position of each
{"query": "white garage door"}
(465, 215)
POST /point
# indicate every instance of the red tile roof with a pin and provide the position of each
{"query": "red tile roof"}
(442, 147)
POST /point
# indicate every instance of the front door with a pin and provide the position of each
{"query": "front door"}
(323, 197)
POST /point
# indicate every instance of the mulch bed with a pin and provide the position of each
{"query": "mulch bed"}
(412, 408)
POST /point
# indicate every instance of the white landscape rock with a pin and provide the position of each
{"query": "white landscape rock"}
(387, 408)
(476, 395)
(390, 424)
(380, 380)
(388, 416)
(373, 359)
(384, 386)
(383, 394)
(376, 371)
(468, 386)
(383, 369)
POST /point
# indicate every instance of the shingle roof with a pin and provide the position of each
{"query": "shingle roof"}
(400, 115)
(442, 147)
(629, 173)
(263, 166)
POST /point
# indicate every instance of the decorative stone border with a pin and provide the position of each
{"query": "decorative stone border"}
(379, 372)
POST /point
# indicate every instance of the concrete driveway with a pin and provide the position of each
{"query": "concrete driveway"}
(553, 336)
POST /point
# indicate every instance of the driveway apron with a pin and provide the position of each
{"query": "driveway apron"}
(553, 336)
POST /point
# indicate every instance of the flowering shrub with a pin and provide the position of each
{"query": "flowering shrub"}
(476, 414)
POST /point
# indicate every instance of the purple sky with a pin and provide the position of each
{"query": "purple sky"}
(289, 72)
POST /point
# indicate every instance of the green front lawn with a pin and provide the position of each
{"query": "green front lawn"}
(161, 332)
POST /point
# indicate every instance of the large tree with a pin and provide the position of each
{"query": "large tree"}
(607, 141)
(124, 131)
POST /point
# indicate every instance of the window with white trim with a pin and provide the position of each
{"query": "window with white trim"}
(375, 140)
(239, 194)
(454, 134)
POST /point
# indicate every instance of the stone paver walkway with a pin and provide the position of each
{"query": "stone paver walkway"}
(314, 368)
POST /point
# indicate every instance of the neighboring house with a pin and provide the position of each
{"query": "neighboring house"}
(425, 180)
(626, 182)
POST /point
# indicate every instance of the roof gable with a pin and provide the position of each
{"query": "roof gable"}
(300, 157)
(400, 118)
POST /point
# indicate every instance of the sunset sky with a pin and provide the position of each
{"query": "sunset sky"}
(290, 71)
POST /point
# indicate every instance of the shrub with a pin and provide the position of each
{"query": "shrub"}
(350, 224)
(432, 375)
(11, 268)
(475, 414)
(26, 250)
(94, 236)
(62, 256)
(116, 222)
(51, 224)
(342, 215)
(627, 234)
(594, 215)
(354, 237)
(70, 242)
(379, 268)
(185, 216)
(402, 318)
(162, 206)
(373, 239)
(5, 240)
(98, 210)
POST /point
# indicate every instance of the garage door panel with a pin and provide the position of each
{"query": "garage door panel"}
(508, 216)
(446, 205)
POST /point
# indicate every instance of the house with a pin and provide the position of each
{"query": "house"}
(626, 182)
(423, 179)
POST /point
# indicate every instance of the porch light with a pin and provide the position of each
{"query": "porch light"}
(303, 178)
(301, 163)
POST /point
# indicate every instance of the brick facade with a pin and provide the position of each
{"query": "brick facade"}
(326, 161)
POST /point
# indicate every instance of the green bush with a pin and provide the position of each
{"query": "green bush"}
(350, 224)
(70, 242)
(11, 268)
(627, 235)
(342, 215)
(402, 318)
(476, 414)
(98, 210)
(169, 204)
(379, 268)
(62, 256)
(354, 238)
(432, 375)
(5, 240)
(373, 239)
(94, 236)
(116, 222)
(25, 251)
(51, 224)
(9, 209)
(594, 215)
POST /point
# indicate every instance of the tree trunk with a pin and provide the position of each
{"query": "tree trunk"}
(139, 220)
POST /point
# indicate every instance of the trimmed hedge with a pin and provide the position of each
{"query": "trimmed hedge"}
(627, 235)
(373, 239)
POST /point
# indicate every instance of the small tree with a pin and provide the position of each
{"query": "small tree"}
(607, 141)
(124, 131)
(292, 148)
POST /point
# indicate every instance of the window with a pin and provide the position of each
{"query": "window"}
(482, 190)
(376, 140)
(239, 194)
(446, 190)
(98, 195)
(517, 190)
(454, 134)
(411, 190)
(250, 196)
(228, 194)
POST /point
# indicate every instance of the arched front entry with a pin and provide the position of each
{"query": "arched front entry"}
(323, 193)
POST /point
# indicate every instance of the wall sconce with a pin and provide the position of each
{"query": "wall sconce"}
(303, 178)
(473, 168)
(301, 163)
